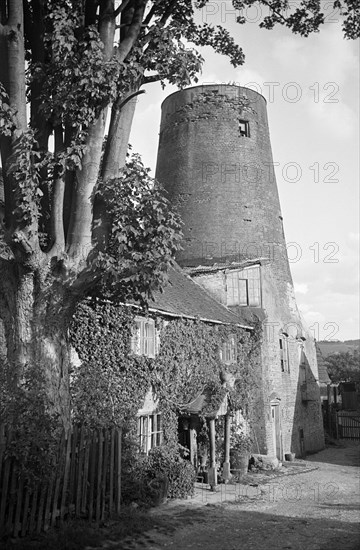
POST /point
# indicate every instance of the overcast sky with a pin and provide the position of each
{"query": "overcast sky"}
(312, 89)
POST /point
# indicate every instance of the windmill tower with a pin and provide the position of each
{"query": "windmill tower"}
(216, 163)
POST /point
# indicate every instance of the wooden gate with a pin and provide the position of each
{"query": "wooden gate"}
(348, 425)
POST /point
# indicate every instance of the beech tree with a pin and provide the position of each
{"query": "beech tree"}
(72, 212)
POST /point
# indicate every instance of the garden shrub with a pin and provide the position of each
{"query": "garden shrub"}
(160, 474)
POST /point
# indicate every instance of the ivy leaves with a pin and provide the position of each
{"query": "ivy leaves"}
(110, 384)
(189, 360)
(7, 115)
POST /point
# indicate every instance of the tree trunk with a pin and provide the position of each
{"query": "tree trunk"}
(122, 115)
(114, 159)
(36, 310)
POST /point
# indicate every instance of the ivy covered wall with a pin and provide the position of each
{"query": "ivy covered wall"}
(110, 385)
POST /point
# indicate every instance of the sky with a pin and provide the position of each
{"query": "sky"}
(312, 90)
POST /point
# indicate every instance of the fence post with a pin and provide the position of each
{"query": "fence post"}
(84, 493)
(104, 473)
(66, 476)
(337, 424)
(118, 471)
(99, 475)
(80, 473)
(111, 473)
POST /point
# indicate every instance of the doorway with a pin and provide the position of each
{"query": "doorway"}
(276, 429)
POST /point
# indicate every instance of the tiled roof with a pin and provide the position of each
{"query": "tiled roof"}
(212, 266)
(209, 403)
(182, 297)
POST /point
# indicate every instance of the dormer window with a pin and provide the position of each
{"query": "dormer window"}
(243, 287)
(244, 128)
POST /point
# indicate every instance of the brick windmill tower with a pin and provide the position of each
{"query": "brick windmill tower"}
(215, 161)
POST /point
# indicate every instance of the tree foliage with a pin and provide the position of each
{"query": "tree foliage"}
(32, 429)
(344, 367)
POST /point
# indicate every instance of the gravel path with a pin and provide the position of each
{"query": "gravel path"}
(317, 509)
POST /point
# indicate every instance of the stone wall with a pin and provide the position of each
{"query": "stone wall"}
(297, 388)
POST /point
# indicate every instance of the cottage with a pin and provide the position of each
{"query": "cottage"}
(184, 299)
(188, 364)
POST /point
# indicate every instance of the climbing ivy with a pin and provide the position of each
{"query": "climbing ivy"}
(210, 104)
(109, 386)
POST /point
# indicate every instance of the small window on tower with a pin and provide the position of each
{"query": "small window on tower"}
(244, 128)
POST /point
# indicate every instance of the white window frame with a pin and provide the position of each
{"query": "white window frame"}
(144, 338)
(228, 351)
(243, 287)
(150, 431)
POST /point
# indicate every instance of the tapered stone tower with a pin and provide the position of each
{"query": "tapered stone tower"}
(216, 163)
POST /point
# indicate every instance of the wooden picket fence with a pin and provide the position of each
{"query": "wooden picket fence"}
(86, 483)
(348, 425)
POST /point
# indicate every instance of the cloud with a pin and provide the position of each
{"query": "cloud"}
(305, 308)
(251, 79)
(315, 321)
(336, 117)
(301, 288)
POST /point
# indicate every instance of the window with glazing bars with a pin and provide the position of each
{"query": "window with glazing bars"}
(243, 287)
(143, 340)
(150, 432)
(228, 351)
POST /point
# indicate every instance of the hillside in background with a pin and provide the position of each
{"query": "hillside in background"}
(335, 346)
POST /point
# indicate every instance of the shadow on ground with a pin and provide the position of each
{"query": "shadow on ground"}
(230, 528)
(343, 452)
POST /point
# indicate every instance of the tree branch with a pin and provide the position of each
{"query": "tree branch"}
(269, 5)
(12, 76)
(151, 13)
(57, 207)
(120, 8)
(133, 32)
(79, 236)
(3, 11)
(69, 183)
(15, 86)
(118, 137)
(151, 79)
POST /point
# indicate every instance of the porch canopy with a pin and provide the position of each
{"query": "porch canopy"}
(211, 403)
